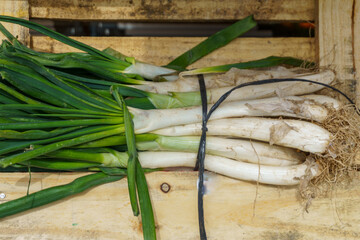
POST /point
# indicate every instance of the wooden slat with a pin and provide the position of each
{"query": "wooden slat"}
(105, 213)
(356, 39)
(180, 10)
(161, 50)
(15, 8)
(335, 41)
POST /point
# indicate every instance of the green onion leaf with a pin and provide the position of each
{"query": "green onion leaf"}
(133, 156)
(113, 171)
(261, 63)
(11, 146)
(55, 35)
(52, 194)
(147, 214)
(212, 43)
(20, 157)
(63, 165)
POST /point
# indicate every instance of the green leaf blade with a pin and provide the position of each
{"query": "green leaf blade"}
(147, 214)
(260, 63)
(214, 42)
(20, 157)
(53, 194)
(133, 156)
(57, 36)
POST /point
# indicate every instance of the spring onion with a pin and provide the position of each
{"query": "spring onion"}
(297, 134)
(94, 110)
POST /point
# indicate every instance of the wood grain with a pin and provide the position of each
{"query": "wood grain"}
(15, 8)
(162, 50)
(181, 10)
(335, 41)
(105, 213)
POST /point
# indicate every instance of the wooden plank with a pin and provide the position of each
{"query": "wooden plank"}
(181, 10)
(15, 8)
(104, 212)
(335, 42)
(161, 50)
(356, 42)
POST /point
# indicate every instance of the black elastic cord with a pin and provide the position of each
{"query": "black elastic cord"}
(206, 116)
(200, 162)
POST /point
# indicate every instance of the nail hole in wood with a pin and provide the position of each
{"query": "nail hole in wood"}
(165, 187)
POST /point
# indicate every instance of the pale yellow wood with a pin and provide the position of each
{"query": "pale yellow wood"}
(179, 10)
(335, 41)
(15, 8)
(104, 212)
(356, 41)
(161, 50)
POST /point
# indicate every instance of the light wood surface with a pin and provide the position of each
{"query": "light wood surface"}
(15, 8)
(104, 212)
(180, 10)
(162, 50)
(335, 41)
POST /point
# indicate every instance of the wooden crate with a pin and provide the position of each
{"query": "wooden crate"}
(230, 208)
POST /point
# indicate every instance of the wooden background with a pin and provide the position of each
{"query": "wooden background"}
(104, 212)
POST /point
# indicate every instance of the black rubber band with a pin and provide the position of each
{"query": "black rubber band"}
(204, 117)
(200, 161)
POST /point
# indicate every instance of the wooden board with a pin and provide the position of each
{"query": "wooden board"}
(335, 41)
(181, 10)
(15, 8)
(161, 50)
(104, 212)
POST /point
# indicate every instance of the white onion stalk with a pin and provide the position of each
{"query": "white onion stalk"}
(297, 134)
(190, 90)
(299, 107)
(241, 150)
(275, 175)
(232, 77)
(266, 90)
(151, 71)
